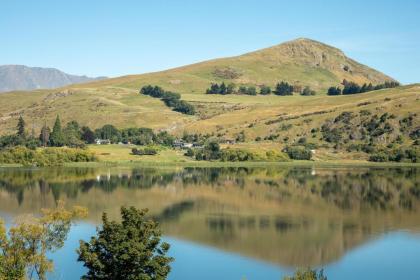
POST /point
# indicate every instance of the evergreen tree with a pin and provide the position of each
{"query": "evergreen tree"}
(334, 91)
(284, 88)
(44, 136)
(21, 127)
(57, 137)
(222, 88)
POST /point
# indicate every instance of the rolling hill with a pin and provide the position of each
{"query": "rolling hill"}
(300, 62)
(20, 77)
(306, 62)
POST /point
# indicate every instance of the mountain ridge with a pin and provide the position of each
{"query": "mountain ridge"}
(15, 77)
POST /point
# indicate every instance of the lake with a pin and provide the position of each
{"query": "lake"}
(243, 223)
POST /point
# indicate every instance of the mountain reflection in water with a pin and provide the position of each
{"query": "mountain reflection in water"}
(293, 216)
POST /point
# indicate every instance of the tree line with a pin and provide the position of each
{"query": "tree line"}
(171, 99)
(77, 136)
(282, 89)
(354, 88)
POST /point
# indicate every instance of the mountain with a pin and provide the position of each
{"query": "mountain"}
(302, 62)
(20, 77)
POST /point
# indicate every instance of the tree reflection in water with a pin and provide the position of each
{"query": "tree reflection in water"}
(295, 216)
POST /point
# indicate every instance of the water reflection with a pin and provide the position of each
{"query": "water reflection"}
(294, 216)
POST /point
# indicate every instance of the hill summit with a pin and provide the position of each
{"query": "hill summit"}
(302, 62)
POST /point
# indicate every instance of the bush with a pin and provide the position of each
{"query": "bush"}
(307, 91)
(379, 157)
(298, 152)
(236, 155)
(148, 151)
(307, 274)
(45, 157)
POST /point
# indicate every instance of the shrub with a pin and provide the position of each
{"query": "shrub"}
(44, 157)
(379, 157)
(307, 274)
(236, 155)
(148, 151)
(298, 152)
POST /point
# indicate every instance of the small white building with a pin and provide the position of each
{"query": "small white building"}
(102, 141)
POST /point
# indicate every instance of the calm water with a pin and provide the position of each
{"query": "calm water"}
(235, 223)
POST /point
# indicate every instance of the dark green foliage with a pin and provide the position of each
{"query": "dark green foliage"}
(108, 132)
(21, 127)
(284, 88)
(251, 91)
(128, 250)
(72, 135)
(210, 151)
(57, 137)
(221, 89)
(87, 135)
(44, 136)
(265, 90)
(334, 91)
(171, 99)
(184, 107)
(353, 88)
(11, 141)
(164, 138)
(144, 152)
(298, 152)
(307, 274)
(379, 157)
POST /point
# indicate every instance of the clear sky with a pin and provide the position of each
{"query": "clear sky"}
(114, 38)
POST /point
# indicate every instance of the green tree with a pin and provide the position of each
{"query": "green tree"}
(222, 88)
(307, 91)
(230, 88)
(134, 245)
(57, 137)
(21, 127)
(88, 135)
(251, 91)
(307, 274)
(284, 88)
(23, 250)
(72, 135)
(44, 136)
(265, 90)
(334, 91)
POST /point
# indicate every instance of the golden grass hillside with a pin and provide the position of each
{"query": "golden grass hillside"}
(117, 101)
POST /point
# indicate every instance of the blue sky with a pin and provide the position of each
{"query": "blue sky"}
(114, 38)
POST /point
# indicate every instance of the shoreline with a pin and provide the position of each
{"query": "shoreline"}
(209, 164)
